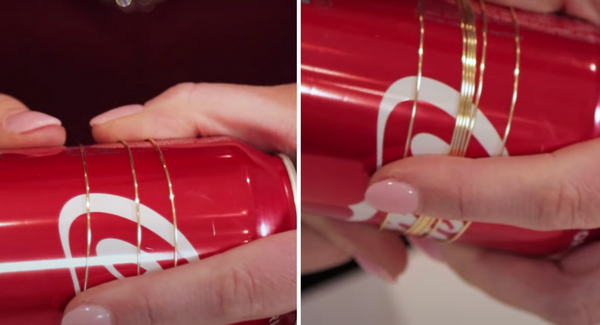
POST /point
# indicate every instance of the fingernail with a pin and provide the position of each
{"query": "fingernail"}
(392, 197)
(88, 315)
(429, 247)
(116, 113)
(374, 269)
(28, 121)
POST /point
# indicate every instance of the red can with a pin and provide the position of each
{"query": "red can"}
(74, 218)
(385, 79)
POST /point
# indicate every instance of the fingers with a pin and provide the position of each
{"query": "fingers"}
(585, 9)
(254, 281)
(583, 261)
(264, 117)
(318, 253)
(381, 254)
(513, 280)
(541, 287)
(544, 192)
(22, 128)
(545, 6)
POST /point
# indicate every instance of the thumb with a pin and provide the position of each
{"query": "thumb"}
(264, 117)
(23, 128)
(544, 6)
(544, 192)
(382, 254)
(254, 281)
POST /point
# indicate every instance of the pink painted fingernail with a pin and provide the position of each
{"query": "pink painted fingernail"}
(28, 121)
(116, 113)
(374, 269)
(392, 197)
(429, 247)
(88, 315)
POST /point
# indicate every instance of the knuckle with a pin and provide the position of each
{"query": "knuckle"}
(148, 308)
(177, 93)
(461, 202)
(238, 294)
(558, 205)
(467, 196)
(568, 200)
(181, 90)
(7, 102)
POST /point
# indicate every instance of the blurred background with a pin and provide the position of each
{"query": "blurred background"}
(427, 294)
(75, 59)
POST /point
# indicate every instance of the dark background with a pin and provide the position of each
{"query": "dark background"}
(75, 59)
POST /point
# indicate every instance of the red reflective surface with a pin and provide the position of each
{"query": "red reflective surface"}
(226, 194)
(359, 64)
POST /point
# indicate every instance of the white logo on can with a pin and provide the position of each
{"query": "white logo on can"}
(112, 251)
(446, 99)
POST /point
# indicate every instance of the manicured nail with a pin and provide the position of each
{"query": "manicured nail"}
(116, 113)
(392, 197)
(429, 247)
(28, 121)
(88, 315)
(374, 269)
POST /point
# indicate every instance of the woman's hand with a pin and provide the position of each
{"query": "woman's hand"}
(383, 254)
(553, 191)
(254, 281)
(23, 128)
(264, 117)
(327, 243)
(543, 192)
(585, 9)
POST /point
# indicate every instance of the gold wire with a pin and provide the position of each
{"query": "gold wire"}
(419, 78)
(385, 221)
(421, 220)
(434, 228)
(137, 206)
(420, 226)
(516, 74)
(465, 120)
(473, 116)
(171, 197)
(89, 218)
(469, 60)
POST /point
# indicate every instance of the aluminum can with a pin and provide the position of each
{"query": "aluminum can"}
(74, 218)
(383, 80)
